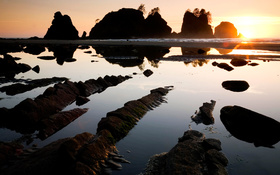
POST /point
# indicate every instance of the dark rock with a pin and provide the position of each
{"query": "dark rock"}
(253, 64)
(29, 113)
(156, 26)
(212, 144)
(9, 151)
(235, 85)
(189, 156)
(21, 88)
(89, 52)
(36, 69)
(54, 123)
(250, 126)
(225, 66)
(80, 100)
(120, 121)
(215, 63)
(237, 62)
(194, 51)
(125, 23)
(205, 114)
(61, 28)
(9, 68)
(34, 49)
(196, 25)
(84, 36)
(46, 57)
(148, 72)
(8, 48)
(225, 30)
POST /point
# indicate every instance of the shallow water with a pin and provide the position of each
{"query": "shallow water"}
(194, 83)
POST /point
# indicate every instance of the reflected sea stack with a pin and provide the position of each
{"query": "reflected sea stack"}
(250, 126)
(236, 85)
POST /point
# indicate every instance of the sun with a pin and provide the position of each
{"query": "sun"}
(247, 33)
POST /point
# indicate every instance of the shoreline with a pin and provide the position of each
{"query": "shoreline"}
(190, 43)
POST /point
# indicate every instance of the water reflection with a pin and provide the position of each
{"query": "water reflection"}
(130, 56)
(63, 53)
(250, 126)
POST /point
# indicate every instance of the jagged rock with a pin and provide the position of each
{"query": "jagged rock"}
(237, 62)
(58, 121)
(36, 69)
(225, 30)
(189, 156)
(250, 126)
(120, 121)
(235, 85)
(125, 23)
(205, 114)
(21, 88)
(148, 72)
(80, 100)
(29, 112)
(196, 25)
(130, 23)
(156, 26)
(61, 28)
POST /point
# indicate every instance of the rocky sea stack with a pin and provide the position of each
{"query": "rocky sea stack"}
(61, 28)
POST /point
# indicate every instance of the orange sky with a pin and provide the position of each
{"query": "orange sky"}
(26, 18)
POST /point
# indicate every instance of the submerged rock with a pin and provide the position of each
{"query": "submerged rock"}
(191, 155)
(250, 126)
(148, 72)
(237, 62)
(205, 114)
(235, 85)
(225, 66)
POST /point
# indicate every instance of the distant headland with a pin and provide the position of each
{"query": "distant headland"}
(128, 23)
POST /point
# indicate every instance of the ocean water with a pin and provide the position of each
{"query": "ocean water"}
(195, 81)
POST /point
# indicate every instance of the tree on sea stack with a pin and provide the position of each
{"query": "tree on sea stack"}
(62, 28)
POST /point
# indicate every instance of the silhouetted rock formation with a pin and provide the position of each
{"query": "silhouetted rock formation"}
(193, 154)
(34, 49)
(237, 62)
(61, 28)
(205, 114)
(130, 23)
(196, 25)
(156, 26)
(226, 30)
(250, 126)
(235, 85)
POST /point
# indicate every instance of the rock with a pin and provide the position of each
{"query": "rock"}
(9, 67)
(54, 123)
(196, 25)
(236, 85)
(205, 114)
(156, 26)
(130, 23)
(46, 57)
(148, 72)
(125, 23)
(120, 121)
(84, 36)
(226, 30)
(18, 88)
(80, 100)
(225, 66)
(237, 62)
(250, 126)
(89, 52)
(36, 69)
(189, 156)
(61, 28)
(253, 64)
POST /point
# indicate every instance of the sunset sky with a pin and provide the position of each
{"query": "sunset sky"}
(26, 18)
